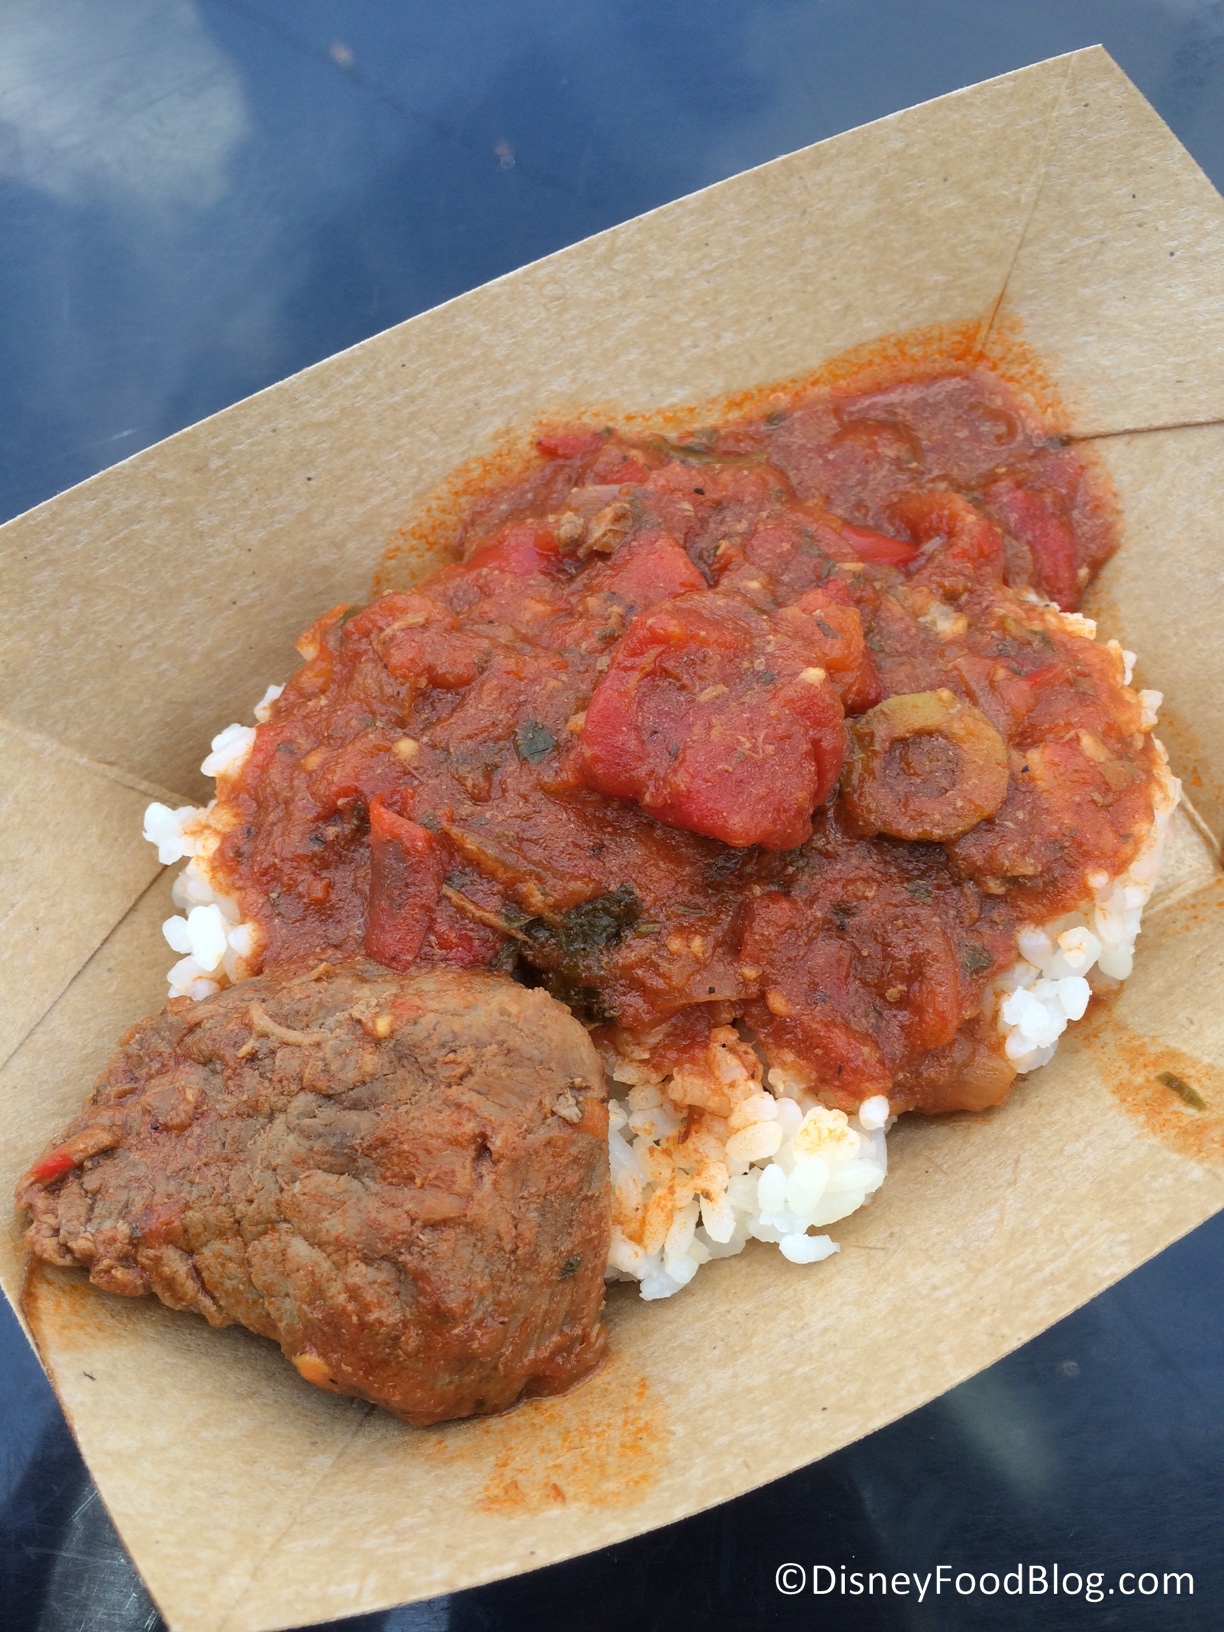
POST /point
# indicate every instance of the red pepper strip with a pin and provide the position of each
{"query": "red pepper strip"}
(878, 548)
(407, 867)
(54, 1166)
(89, 1142)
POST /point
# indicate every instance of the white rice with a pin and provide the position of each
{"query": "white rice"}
(717, 1154)
(710, 1156)
(219, 947)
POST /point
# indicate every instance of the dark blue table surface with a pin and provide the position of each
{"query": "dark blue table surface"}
(198, 199)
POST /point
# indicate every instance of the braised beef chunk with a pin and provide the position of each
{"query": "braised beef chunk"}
(402, 1179)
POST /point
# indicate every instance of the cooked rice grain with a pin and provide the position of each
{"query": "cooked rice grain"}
(711, 1156)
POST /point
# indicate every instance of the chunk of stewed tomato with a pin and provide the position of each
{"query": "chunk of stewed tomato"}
(714, 719)
(828, 619)
(518, 551)
(962, 547)
(1037, 518)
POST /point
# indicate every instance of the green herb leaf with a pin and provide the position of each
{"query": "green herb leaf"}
(533, 740)
(598, 923)
(1183, 1090)
(976, 959)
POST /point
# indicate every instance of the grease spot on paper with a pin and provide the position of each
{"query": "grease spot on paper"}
(1158, 1085)
(64, 1309)
(600, 1447)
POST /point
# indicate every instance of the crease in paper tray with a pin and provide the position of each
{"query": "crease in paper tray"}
(158, 598)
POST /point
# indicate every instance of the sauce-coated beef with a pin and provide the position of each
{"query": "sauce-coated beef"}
(401, 1179)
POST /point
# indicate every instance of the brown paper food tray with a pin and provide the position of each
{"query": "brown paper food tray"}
(151, 605)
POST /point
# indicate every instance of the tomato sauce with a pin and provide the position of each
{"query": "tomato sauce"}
(768, 725)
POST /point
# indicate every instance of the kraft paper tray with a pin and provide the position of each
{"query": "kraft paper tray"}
(151, 605)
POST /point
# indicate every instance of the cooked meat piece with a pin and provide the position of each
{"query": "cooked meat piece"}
(402, 1179)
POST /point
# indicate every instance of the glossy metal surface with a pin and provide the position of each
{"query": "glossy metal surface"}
(197, 199)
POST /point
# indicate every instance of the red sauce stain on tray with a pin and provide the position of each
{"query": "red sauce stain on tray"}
(1189, 913)
(1191, 760)
(67, 1317)
(1175, 1096)
(601, 1446)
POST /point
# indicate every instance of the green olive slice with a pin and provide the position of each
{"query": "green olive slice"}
(924, 765)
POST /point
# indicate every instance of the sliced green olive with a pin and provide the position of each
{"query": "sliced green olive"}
(924, 765)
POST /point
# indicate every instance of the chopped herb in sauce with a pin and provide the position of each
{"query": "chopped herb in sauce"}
(1182, 1089)
(533, 740)
(599, 923)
